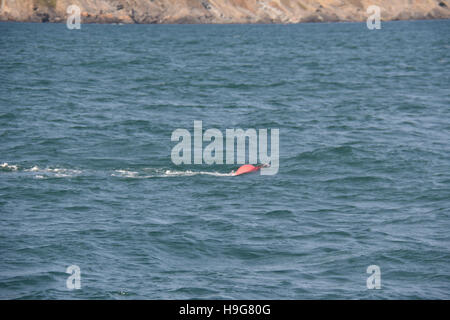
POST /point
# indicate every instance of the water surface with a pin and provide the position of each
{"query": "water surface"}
(86, 176)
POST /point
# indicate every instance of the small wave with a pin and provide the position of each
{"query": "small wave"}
(323, 152)
(125, 174)
(279, 213)
(170, 173)
(9, 167)
(165, 173)
(48, 172)
(33, 169)
(53, 172)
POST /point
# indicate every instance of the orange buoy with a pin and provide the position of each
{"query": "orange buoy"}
(246, 168)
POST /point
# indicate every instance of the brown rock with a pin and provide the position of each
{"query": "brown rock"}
(220, 11)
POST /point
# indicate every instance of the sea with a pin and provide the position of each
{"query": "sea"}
(92, 205)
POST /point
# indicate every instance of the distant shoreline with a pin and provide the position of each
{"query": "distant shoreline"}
(220, 11)
(224, 24)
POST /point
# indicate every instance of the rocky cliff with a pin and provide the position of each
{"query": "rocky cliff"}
(220, 11)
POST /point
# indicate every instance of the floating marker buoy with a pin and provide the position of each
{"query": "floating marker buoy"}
(246, 168)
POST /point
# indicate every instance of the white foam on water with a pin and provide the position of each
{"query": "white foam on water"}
(188, 173)
(160, 173)
(53, 172)
(125, 174)
(42, 173)
(7, 166)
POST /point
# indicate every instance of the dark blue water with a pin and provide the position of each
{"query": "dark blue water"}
(86, 176)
